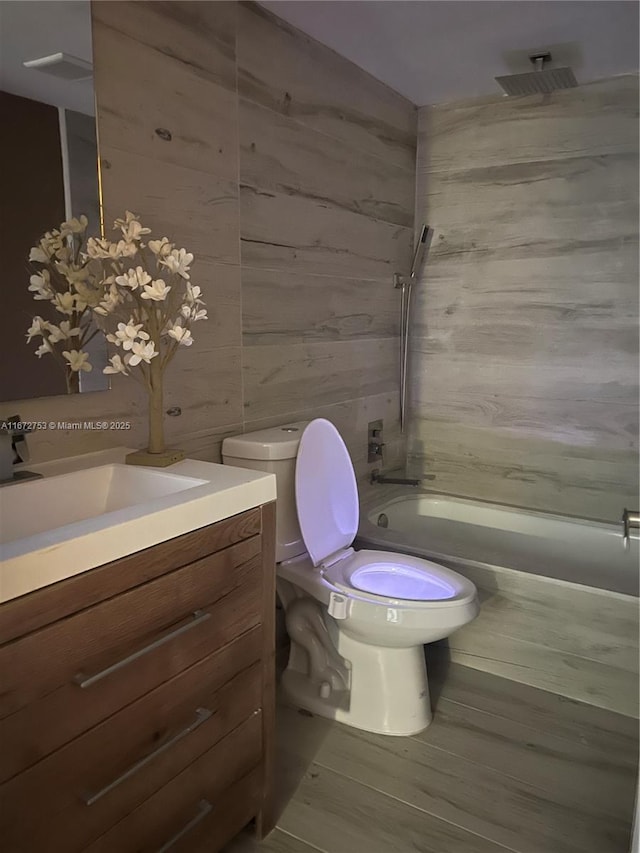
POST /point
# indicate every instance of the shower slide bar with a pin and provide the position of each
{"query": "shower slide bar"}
(404, 285)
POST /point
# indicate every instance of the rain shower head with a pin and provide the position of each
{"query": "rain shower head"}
(422, 246)
(541, 80)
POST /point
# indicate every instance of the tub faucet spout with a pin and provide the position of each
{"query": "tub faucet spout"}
(377, 477)
(630, 521)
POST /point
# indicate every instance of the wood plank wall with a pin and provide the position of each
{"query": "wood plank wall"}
(572, 640)
(525, 352)
(290, 175)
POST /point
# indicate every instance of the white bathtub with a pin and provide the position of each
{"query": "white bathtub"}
(459, 532)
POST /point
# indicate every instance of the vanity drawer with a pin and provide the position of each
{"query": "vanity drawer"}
(85, 787)
(43, 726)
(201, 809)
(110, 640)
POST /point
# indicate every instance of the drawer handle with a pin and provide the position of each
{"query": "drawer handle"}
(202, 715)
(197, 618)
(204, 808)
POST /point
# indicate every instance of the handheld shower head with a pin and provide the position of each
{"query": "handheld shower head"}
(422, 247)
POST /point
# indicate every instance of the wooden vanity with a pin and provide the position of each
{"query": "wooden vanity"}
(137, 698)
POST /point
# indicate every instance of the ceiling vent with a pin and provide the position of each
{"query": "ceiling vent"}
(62, 65)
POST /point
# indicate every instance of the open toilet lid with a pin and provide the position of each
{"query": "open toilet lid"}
(326, 491)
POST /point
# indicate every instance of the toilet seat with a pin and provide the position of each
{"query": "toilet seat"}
(328, 514)
(391, 578)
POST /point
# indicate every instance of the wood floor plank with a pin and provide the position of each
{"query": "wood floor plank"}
(342, 815)
(609, 734)
(506, 811)
(276, 842)
(503, 768)
(569, 772)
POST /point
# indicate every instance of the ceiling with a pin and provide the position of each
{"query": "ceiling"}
(33, 28)
(433, 51)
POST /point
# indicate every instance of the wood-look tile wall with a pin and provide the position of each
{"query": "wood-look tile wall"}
(327, 164)
(290, 175)
(571, 640)
(524, 370)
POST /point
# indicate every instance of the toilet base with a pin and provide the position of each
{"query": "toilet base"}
(388, 693)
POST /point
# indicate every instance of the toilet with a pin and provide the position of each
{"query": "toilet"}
(357, 620)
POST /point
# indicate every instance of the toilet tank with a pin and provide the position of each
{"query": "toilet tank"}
(273, 450)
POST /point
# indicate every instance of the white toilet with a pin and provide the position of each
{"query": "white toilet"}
(357, 620)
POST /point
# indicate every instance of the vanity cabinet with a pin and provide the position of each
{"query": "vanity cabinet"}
(137, 698)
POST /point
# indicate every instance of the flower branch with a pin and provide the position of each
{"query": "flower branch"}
(140, 293)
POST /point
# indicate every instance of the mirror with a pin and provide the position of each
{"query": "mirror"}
(49, 165)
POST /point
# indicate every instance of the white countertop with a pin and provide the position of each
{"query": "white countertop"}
(35, 561)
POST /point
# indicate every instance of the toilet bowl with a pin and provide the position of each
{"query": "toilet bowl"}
(357, 620)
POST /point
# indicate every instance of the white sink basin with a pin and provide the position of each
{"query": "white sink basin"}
(89, 513)
(39, 505)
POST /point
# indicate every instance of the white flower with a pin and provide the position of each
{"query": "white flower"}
(38, 255)
(74, 226)
(117, 366)
(44, 348)
(41, 285)
(193, 308)
(72, 272)
(177, 261)
(180, 334)
(97, 248)
(192, 293)
(134, 278)
(64, 256)
(161, 248)
(157, 290)
(127, 249)
(38, 327)
(65, 303)
(110, 301)
(47, 247)
(131, 227)
(78, 360)
(192, 312)
(52, 242)
(127, 334)
(88, 294)
(63, 332)
(106, 249)
(142, 352)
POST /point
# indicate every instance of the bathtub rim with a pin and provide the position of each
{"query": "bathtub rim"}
(373, 500)
(370, 535)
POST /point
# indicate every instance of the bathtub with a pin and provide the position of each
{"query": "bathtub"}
(466, 533)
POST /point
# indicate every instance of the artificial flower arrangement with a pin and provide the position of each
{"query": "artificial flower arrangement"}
(135, 289)
(60, 279)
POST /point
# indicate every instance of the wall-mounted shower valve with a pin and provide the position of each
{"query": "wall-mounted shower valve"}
(375, 443)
